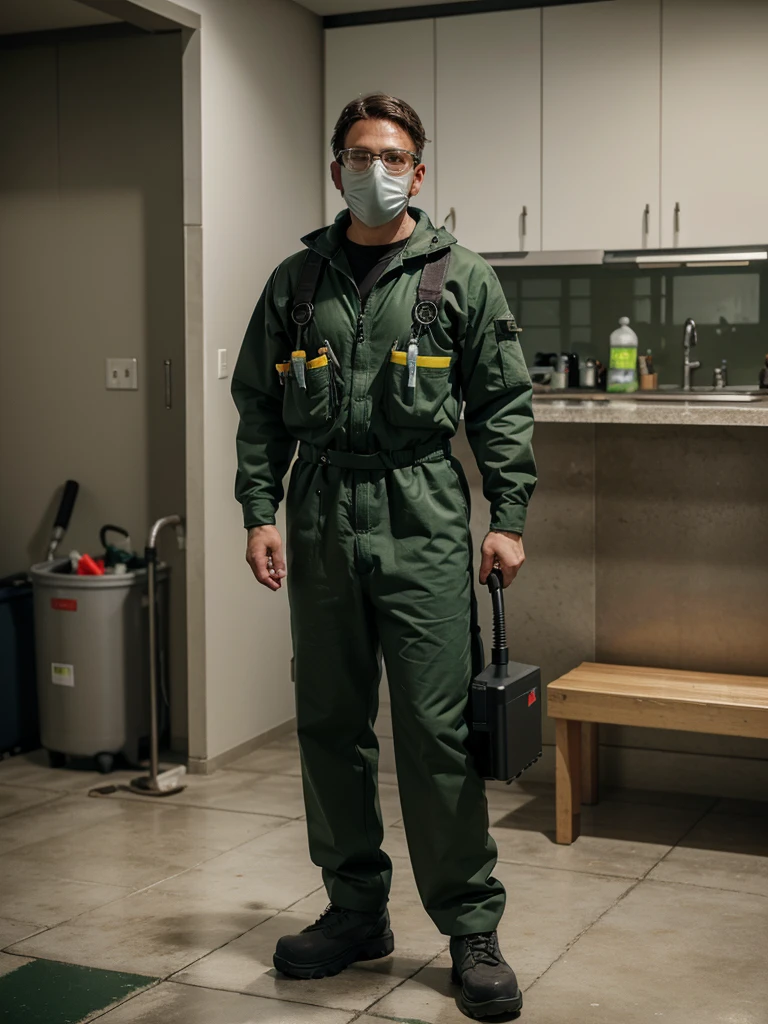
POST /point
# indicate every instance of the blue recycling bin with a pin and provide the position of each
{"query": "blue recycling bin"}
(19, 728)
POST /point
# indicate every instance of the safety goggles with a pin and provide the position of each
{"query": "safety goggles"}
(395, 161)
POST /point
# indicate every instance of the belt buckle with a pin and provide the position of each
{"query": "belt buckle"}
(323, 459)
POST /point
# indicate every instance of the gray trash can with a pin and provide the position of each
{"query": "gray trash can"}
(92, 661)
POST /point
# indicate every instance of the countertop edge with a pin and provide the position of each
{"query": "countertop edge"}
(628, 412)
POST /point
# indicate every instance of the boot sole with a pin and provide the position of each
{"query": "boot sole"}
(373, 949)
(491, 1008)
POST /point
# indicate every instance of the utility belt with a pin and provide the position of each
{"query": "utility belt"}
(375, 460)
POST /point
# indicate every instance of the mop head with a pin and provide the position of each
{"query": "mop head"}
(166, 784)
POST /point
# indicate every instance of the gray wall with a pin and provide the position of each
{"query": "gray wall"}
(91, 265)
(644, 548)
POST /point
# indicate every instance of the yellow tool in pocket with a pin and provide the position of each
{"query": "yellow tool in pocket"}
(435, 362)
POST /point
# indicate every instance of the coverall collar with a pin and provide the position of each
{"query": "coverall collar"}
(424, 239)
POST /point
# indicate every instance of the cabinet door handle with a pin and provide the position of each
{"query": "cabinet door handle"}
(168, 391)
(524, 222)
(452, 215)
(647, 219)
(677, 218)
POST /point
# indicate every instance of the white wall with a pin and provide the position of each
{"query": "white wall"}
(261, 84)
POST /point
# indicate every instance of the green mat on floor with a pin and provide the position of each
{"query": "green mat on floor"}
(47, 992)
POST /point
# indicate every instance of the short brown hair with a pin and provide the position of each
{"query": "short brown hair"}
(382, 107)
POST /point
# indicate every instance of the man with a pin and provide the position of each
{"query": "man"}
(363, 352)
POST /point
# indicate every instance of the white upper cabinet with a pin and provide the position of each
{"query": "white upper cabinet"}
(489, 129)
(601, 130)
(396, 58)
(714, 123)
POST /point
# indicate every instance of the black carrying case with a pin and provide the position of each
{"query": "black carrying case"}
(504, 707)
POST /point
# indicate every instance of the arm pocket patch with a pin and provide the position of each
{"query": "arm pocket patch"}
(513, 368)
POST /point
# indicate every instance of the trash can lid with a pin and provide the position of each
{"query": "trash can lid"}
(52, 574)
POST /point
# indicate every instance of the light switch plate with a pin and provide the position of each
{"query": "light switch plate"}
(122, 375)
(223, 368)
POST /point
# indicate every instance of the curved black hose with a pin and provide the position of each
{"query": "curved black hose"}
(500, 653)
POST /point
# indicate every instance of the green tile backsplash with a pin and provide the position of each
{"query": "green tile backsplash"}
(574, 309)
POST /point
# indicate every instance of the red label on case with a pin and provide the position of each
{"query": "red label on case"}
(63, 604)
(531, 698)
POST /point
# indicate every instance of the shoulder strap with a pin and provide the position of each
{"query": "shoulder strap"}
(310, 275)
(302, 310)
(433, 278)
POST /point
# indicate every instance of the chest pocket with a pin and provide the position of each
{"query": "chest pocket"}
(313, 404)
(418, 385)
(420, 405)
(312, 384)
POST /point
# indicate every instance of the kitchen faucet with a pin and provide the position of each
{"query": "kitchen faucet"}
(689, 340)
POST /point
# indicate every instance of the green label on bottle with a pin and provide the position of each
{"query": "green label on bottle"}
(623, 358)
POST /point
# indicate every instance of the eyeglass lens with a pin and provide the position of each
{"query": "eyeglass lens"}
(396, 161)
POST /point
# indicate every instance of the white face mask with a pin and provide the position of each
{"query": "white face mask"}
(374, 196)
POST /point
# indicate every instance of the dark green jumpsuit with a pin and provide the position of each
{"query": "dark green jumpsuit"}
(379, 559)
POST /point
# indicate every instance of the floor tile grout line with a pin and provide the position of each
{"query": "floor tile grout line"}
(122, 1002)
(582, 933)
(262, 995)
(31, 807)
(206, 807)
(621, 898)
(685, 835)
(217, 853)
(574, 871)
(280, 998)
(707, 888)
(126, 895)
(428, 963)
(274, 913)
(145, 888)
(135, 892)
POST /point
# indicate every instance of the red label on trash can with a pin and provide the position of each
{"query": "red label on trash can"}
(63, 604)
(531, 698)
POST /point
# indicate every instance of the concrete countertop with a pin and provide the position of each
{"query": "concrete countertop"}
(691, 414)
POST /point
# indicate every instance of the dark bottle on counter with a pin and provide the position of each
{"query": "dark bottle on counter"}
(764, 376)
(573, 370)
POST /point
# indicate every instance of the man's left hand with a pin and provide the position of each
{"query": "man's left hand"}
(504, 551)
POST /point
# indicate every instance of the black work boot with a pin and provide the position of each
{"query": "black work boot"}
(337, 939)
(488, 984)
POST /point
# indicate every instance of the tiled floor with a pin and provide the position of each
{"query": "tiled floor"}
(660, 909)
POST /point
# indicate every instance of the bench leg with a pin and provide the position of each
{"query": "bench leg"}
(568, 780)
(590, 764)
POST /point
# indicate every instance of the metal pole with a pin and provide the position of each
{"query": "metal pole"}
(154, 738)
(157, 783)
(151, 558)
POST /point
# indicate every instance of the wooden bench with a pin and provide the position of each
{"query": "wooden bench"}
(653, 697)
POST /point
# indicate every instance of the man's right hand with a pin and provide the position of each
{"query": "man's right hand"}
(264, 554)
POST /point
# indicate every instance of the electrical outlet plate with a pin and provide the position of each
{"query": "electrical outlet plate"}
(223, 368)
(122, 375)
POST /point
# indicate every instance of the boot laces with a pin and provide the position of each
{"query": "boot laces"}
(328, 916)
(483, 948)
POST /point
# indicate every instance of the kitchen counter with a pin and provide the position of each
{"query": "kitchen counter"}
(699, 414)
